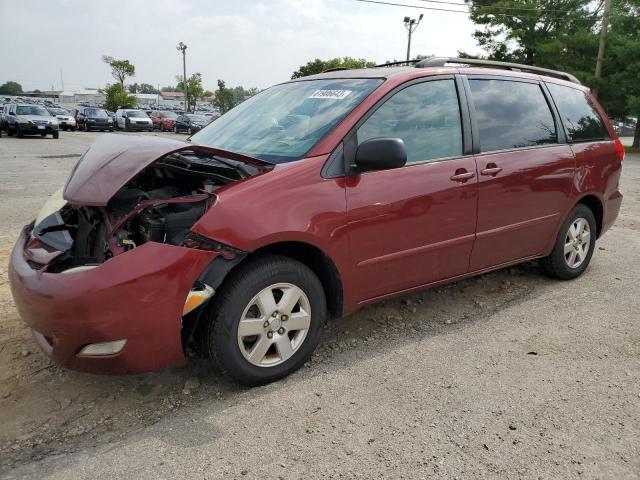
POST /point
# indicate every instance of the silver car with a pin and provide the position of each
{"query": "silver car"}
(65, 119)
(30, 120)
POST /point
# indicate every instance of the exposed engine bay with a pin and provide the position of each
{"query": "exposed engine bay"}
(159, 204)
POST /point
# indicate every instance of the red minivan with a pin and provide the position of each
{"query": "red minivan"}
(309, 200)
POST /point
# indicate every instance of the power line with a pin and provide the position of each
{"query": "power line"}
(497, 8)
(535, 17)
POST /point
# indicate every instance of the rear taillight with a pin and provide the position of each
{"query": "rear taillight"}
(619, 149)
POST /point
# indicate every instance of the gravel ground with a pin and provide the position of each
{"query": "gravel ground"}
(508, 375)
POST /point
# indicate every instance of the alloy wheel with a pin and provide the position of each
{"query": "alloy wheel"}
(274, 325)
(577, 242)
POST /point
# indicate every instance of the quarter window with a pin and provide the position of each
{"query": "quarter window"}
(426, 116)
(580, 117)
(511, 115)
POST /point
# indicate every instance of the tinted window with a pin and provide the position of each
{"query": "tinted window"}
(581, 120)
(511, 115)
(425, 115)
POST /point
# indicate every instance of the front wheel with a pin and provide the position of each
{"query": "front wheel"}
(55, 135)
(574, 245)
(175, 129)
(265, 321)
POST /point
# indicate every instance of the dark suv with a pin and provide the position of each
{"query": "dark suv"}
(312, 199)
(92, 118)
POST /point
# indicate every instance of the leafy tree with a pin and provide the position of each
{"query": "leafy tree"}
(195, 90)
(535, 32)
(117, 97)
(619, 89)
(224, 100)
(120, 69)
(147, 88)
(319, 66)
(169, 88)
(10, 88)
(207, 94)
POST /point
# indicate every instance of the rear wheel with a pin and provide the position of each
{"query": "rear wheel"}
(574, 245)
(19, 131)
(55, 134)
(265, 321)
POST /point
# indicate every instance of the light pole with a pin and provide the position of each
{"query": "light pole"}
(411, 24)
(183, 48)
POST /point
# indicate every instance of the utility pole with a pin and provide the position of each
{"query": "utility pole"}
(603, 34)
(61, 81)
(411, 24)
(183, 48)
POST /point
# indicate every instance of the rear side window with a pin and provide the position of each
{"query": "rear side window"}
(580, 117)
(426, 116)
(511, 115)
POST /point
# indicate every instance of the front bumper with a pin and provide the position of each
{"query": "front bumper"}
(32, 129)
(138, 295)
(139, 126)
(99, 125)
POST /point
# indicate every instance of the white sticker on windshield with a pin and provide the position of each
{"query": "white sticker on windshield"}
(335, 94)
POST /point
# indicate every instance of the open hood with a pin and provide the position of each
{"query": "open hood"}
(113, 160)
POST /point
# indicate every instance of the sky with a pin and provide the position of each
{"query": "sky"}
(244, 42)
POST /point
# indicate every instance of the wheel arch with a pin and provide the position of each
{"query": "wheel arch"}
(596, 206)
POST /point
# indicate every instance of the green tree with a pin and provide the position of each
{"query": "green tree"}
(224, 100)
(117, 97)
(619, 89)
(536, 32)
(147, 88)
(10, 88)
(195, 91)
(120, 69)
(319, 66)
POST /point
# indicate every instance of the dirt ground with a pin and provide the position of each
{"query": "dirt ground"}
(72, 425)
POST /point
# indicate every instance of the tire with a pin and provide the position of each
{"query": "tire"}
(19, 133)
(162, 129)
(234, 300)
(190, 131)
(73, 129)
(55, 135)
(175, 129)
(9, 131)
(572, 253)
(43, 134)
(86, 127)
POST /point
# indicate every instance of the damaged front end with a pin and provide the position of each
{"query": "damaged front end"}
(123, 264)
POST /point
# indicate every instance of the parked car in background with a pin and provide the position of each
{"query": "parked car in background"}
(112, 117)
(312, 199)
(211, 117)
(163, 120)
(65, 119)
(92, 118)
(30, 120)
(133, 119)
(190, 123)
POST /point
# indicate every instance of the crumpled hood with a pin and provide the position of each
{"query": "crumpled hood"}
(113, 160)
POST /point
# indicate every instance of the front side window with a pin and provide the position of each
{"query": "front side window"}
(426, 116)
(580, 117)
(511, 114)
(282, 123)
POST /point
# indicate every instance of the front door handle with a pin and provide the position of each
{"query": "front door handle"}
(462, 175)
(491, 170)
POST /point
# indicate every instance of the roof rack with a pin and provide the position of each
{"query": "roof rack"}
(399, 62)
(441, 61)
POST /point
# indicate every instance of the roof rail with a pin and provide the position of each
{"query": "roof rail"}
(398, 62)
(441, 61)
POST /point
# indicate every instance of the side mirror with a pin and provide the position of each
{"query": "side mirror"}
(12, 113)
(381, 154)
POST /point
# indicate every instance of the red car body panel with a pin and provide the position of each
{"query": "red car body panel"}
(138, 295)
(386, 232)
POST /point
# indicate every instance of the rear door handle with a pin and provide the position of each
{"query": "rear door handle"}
(492, 169)
(462, 176)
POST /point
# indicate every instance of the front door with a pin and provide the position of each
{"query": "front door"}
(525, 176)
(414, 225)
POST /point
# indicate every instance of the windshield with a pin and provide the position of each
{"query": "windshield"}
(198, 118)
(58, 111)
(137, 114)
(284, 122)
(95, 112)
(31, 110)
